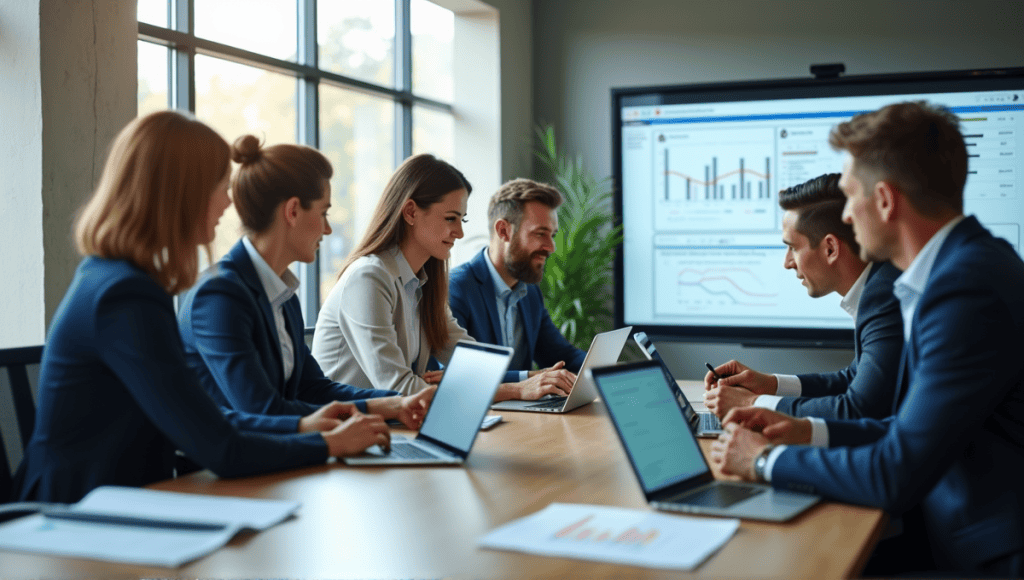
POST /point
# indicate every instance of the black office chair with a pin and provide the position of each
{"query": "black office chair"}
(15, 361)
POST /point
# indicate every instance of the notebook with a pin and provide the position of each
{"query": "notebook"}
(604, 350)
(666, 457)
(450, 427)
(703, 423)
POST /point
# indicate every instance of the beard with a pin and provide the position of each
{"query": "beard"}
(519, 263)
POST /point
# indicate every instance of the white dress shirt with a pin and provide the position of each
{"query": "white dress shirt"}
(279, 289)
(368, 333)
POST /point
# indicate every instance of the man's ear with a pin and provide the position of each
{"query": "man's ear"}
(503, 230)
(409, 212)
(290, 210)
(887, 198)
(832, 248)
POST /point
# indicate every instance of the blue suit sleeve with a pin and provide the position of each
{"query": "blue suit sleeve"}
(867, 387)
(262, 423)
(964, 360)
(223, 325)
(314, 387)
(553, 347)
(145, 354)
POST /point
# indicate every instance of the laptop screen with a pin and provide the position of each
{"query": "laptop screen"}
(465, 392)
(652, 354)
(656, 436)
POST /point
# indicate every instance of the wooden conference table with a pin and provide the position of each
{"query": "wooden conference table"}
(424, 522)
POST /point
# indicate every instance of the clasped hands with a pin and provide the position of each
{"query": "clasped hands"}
(746, 429)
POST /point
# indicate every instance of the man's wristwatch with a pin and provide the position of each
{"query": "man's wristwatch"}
(761, 462)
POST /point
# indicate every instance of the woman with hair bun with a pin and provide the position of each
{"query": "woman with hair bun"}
(241, 325)
(116, 398)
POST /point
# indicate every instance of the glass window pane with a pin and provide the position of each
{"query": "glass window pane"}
(356, 136)
(433, 29)
(264, 26)
(236, 99)
(152, 78)
(357, 39)
(153, 12)
(433, 132)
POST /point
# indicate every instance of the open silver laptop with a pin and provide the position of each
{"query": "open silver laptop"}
(666, 457)
(604, 350)
(470, 380)
(703, 423)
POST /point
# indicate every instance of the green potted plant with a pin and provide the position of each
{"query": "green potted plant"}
(577, 281)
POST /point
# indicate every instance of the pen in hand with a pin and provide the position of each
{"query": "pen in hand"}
(717, 376)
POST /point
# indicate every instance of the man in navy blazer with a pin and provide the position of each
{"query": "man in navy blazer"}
(821, 249)
(953, 451)
(495, 296)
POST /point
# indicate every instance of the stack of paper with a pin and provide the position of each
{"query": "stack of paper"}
(141, 526)
(618, 535)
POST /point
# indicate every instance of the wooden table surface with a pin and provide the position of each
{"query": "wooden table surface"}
(425, 521)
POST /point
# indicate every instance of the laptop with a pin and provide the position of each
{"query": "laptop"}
(703, 423)
(450, 427)
(604, 351)
(666, 457)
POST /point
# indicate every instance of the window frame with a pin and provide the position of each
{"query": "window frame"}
(183, 46)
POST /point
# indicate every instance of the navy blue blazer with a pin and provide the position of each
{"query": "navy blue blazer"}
(866, 387)
(471, 298)
(955, 446)
(116, 398)
(230, 339)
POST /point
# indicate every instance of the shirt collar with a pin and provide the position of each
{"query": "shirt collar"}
(501, 289)
(405, 273)
(851, 302)
(916, 275)
(278, 288)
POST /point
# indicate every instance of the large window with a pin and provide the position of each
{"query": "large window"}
(368, 83)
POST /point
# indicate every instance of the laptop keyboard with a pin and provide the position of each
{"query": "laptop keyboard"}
(708, 422)
(552, 403)
(719, 496)
(409, 451)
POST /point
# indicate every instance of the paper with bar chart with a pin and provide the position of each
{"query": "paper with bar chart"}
(611, 534)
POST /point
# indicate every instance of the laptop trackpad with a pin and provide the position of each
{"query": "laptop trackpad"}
(720, 496)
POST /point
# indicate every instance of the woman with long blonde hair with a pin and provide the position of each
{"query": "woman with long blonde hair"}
(116, 398)
(388, 313)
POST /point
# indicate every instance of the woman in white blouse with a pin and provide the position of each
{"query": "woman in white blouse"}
(389, 312)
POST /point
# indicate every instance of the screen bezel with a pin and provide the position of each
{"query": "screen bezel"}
(795, 88)
(670, 488)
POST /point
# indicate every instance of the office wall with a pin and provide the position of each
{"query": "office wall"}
(72, 87)
(583, 48)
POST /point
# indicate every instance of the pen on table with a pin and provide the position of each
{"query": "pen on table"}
(100, 518)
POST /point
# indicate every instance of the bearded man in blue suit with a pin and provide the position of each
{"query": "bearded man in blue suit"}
(495, 296)
(953, 451)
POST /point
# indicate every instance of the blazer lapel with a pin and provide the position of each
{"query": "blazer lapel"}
(485, 285)
(296, 330)
(247, 271)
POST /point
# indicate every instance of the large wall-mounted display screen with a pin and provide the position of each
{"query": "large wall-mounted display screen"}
(697, 171)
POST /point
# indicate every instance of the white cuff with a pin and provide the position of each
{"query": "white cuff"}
(770, 463)
(767, 401)
(789, 386)
(523, 375)
(819, 432)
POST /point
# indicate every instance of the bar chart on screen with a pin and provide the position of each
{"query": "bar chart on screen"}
(713, 180)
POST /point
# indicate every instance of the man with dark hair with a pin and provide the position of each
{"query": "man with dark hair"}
(826, 257)
(495, 296)
(950, 459)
